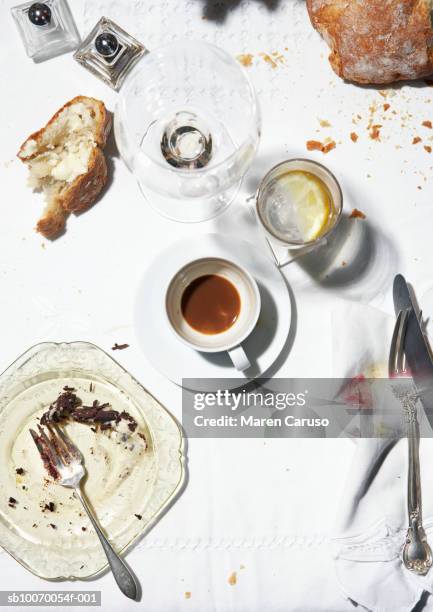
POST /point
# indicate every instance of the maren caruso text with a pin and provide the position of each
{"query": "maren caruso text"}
(251, 421)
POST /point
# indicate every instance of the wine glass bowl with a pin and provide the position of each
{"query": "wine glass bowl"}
(187, 124)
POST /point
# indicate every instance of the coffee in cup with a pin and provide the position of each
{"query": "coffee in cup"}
(212, 305)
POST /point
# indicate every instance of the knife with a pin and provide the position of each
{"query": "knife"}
(416, 346)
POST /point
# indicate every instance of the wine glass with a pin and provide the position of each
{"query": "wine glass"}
(187, 124)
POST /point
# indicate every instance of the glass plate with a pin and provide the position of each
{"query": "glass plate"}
(127, 484)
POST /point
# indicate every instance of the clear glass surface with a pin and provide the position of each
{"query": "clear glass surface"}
(275, 207)
(187, 125)
(43, 42)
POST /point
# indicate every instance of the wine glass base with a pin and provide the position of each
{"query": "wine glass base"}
(192, 210)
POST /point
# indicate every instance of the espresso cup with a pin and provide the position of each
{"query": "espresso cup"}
(231, 338)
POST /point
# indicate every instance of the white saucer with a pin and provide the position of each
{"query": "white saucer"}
(177, 361)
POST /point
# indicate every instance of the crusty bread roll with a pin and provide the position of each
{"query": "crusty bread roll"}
(66, 161)
(376, 41)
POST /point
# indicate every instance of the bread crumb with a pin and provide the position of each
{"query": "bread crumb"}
(278, 56)
(268, 59)
(324, 123)
(353, 136)
(357, 214)
(375, 132)
(316, 145)
(343, 264)
(416, 140)
(187, 594)
(246, 59)
(232, 580)
(328, 147)
(428, 148)
(386, 106)
(427, 124)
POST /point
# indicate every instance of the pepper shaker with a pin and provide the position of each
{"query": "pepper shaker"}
(109, 52)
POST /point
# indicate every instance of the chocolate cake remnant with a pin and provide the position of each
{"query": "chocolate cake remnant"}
(19, 471)
(119, 347)
(68, 407)
(12, 502)
(138, 516)
(50, 507)
(60, 409)
(132, 425)
(53, 526)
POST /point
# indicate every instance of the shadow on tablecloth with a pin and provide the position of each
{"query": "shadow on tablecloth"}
(218, 10)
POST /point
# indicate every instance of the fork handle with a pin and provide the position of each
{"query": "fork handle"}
(414, 480)
(122, 574)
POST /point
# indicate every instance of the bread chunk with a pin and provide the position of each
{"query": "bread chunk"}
(376, 41)
(66, 161)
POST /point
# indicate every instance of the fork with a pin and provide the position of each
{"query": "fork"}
(417, 554)
(65, 463)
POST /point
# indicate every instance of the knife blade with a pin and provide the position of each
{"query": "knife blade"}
(416, 346)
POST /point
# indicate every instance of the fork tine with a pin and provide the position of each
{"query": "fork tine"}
(49, 445)
(48, 454)
(400, 341)
(36, 441)
(72, 449)
(57, 442)
(397, 357)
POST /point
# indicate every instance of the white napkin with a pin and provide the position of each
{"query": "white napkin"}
(372, 521)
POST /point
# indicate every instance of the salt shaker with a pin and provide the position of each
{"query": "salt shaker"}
(47, 28)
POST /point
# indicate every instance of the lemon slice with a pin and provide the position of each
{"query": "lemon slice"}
(311, 202)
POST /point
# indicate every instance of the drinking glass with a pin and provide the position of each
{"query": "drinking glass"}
(187, 124)
(276, 209)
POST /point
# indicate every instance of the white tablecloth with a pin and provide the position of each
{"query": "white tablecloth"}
(82, 287)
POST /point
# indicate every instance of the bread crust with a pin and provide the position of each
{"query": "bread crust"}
(101, 132)
(82, 192)
(376, 41)
(53, 223)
